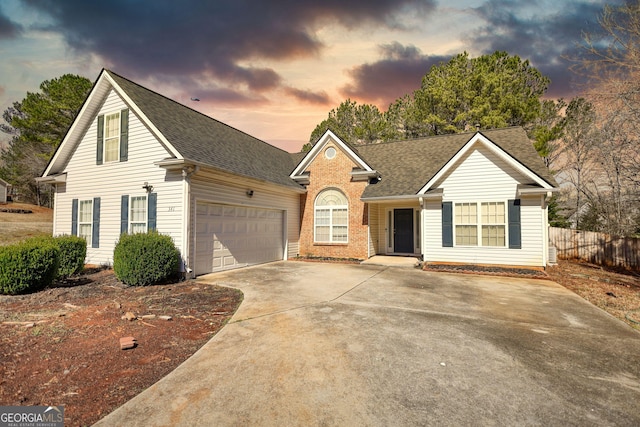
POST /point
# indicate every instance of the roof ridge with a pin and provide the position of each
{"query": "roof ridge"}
(421, 138)
(191, 109)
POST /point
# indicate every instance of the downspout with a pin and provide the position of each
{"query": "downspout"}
(55, 209)
(423, 246)
(187, 172)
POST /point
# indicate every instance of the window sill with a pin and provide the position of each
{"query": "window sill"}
(330, 244)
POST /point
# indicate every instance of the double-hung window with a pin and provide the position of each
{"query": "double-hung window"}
(138, 215)
(466, 224)
(493, 224)
(112, 137)
(331, 217)
(85, 219)
(485, 226)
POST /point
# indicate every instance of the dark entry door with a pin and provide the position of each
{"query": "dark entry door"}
(403, 230)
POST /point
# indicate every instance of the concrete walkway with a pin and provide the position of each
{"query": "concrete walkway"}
(330, 344)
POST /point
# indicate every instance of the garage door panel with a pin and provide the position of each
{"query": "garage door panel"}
(236, 236)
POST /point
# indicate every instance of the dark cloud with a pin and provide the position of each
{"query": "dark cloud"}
(398, 72)
(8, 28)
(318, 98)
(213, 38)
(550, 43)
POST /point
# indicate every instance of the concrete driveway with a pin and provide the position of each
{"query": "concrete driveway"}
(352, 345)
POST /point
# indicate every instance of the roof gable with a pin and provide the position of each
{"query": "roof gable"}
(480, 139)
(410, 168)
(328, 137)
(186, 134)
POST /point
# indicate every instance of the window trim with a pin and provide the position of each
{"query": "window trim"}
(479, 224)
(331, 209)
(117, 137)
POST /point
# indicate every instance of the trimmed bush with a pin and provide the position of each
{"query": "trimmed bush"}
(73, 251)
(145, 258)
(28, 266)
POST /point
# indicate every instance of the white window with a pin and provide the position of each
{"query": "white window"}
(493, 224)
(138, 214)
(331, 217)
(486, 227)
(466, 224)
(85, 219)
(112, 137)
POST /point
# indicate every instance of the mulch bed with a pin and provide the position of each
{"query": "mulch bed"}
(487, 270)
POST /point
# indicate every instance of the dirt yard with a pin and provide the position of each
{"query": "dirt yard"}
(61, 346)
(15, 226)
(614, 290)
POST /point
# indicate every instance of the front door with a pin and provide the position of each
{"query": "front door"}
(403, 231)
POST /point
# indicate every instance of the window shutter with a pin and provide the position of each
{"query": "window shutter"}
(515, 240)
(100, 146)
(124, 214)
(74, 217)
(124, 135)
(447, 224)
(152, 211)
(95, 230)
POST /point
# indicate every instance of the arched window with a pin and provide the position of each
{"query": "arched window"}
(331, 217)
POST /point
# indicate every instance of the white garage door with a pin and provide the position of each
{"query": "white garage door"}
(236, 236)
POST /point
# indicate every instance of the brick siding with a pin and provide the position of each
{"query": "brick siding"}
(334, 173)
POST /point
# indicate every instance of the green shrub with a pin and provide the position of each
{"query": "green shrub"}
(28, 266)
(145, 258)
(73, 251)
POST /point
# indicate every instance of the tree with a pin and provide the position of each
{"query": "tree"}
(611, 61)
(38, 124)
(547, 130)
(356, 124)
(580, 140)
(492, 91)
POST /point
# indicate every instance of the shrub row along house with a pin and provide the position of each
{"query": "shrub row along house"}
(134, 160)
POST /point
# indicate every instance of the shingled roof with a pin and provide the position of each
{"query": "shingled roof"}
(406, 166)
(202, 139)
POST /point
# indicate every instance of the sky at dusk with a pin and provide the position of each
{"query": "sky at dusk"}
(275, 68)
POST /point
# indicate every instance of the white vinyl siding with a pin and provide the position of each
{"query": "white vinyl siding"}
(482, 177)
(84, 176)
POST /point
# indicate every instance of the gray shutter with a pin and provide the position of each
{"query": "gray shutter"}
(124, 135)
(152, 211)
(74, 217)
(124, 214)
(100, 145)
(447, 224)
(95, 229)
(515, 239)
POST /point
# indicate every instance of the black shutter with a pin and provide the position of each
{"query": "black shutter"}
(152, 211)
(447, 224)
(124, 135)
(124, 214)
(100, 145)
(74, 217)
(95, 229)
(515, 239)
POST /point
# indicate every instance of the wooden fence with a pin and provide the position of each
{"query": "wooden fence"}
(597, 248)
